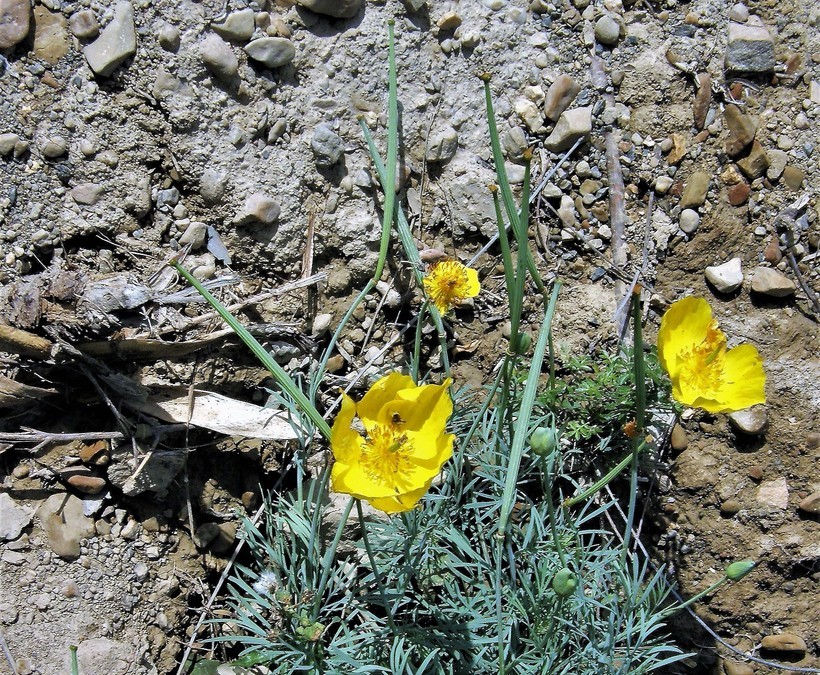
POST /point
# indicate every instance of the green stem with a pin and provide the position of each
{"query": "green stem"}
(499, 608)
(694, 598)
(640, 414)
(282, 378)
(330, 555)
(376, 575)
(414, 366)
(605, 480)
(75, 666)
(549, 463)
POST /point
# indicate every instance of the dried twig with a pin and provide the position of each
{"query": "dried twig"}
(43, 438)
(7, 654)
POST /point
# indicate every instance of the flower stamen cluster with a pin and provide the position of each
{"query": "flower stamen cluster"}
(449, 283)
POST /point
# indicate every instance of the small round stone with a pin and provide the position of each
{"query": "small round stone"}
(607, 30)
(689, 221)
(54, 147)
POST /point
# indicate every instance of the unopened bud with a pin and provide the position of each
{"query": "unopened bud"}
(543, 441)
(564, 582)
(737, 570)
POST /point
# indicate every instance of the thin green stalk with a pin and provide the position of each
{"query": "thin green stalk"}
(549, 464)
(75, 666)
(499, 606)
(330, 555)
(524, 412)
(414, 365)
(282, 378)
(376, 574)
(604, 480)
(504, 242)
(640, 413)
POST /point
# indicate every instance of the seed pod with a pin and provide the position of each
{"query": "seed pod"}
(564, 582)
(737, 570)
(543, 441)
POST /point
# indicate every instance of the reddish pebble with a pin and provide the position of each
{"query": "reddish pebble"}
(739, 194)
(756, 473)
(701, 136)
(772, 251)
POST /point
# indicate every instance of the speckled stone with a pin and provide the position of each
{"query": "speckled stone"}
(15, 18)
(753, 421)
(767, 281)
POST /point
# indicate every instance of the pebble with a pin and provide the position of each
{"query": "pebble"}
(327, 146)
(784, 642)
(739, 12)
(321, 324)
(168, 37)
(530, 114)
(449, 21)
(738, 194)
(62, 519)
(777, 163)
(195, 235)
(339, 9)
(772, 252)
(607, 31)
(95, 454)
(237, 25)
(663, 184)
(116, 43)
(273, 52)
(727, 277)
(560, 95)
(774, 493)
(258, 208)
(50, 36)
(514, 142)
(689, 221)
(678, 439)
(730, 507)
(767, 281)
(753, 421)
(7, 143)
(571, 126)
(54, 147)
(87, 194)
(13, 518)
(90, 485)
(84, 24)
(793, 177)
(694, 193)
(443, 146)
(212, 185)
(15, 16)
(742, 129)
(677, 149)
(219, 58)
(755, 163)
(810, 504)
(750, 48)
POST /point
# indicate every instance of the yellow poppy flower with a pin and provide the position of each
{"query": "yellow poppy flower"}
(449, 283)
(404, 446)
(704, 374)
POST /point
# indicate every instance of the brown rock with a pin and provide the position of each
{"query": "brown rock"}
(730, 507)
(772, 252)
(701, 136)
(742, 129)
(793, 177)
(694, 194)
(735, 668)
(95, 454)
(755, 163)
(739, 194)
(50, 36)
(90, 485)
(810, 504)
(756, 473)
(767, 281)
(678, 439)
(84, 24)
(703, 99)
(560, 95)
(784, 642)
(678, 149)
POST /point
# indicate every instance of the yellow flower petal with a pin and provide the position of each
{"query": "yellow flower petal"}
(400, 503)
(404, 447)
(692, 350)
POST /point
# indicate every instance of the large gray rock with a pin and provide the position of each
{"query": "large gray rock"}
(339, 9)
(750, 48)
(13, 518)
(15, 18)
(328, 148)
(572, 125)
(274, 52)
(767, 281)
(117, 42)
(237, 25)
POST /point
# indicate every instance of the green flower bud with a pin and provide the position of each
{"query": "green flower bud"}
(524, 342)
(543, 441)
(564, 582)
(737, 570)
(312, 632)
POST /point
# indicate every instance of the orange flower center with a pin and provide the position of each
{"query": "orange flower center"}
(386, 454)
(702, 368)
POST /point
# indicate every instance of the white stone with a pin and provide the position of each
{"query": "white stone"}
(13, 518)
(726, 277)
(572, 125)
(117, 42)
